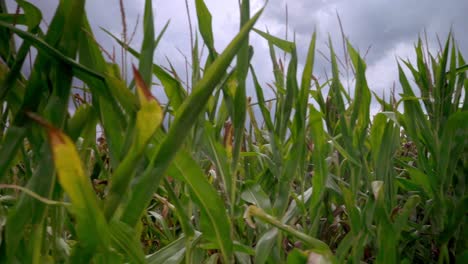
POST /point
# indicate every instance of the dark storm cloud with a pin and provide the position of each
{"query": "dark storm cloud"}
(389, 27)
(381, 24)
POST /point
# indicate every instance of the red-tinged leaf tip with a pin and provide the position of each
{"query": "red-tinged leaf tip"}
(228, 136)
(141, 84)
(38, 119)
(56, 137)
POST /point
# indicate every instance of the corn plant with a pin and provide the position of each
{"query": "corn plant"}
(212, 176)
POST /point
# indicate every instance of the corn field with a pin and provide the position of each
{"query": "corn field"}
(212, 175)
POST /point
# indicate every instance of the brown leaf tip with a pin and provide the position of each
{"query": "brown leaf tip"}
(55, 135)
(38, 119)
(141, 84)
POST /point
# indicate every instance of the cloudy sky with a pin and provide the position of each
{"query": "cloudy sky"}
(389, 28)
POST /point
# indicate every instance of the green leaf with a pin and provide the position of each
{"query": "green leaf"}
(104, 93)
(53, 53)
(33, 15)
(303, 97)
(285, 45)
(385, 140)
(453, 146)
(172, 86)
(240, 100)
(261, 102)
(27, 210)
(267, 240)
(185, 119)
(265, 245)
(320, 165)
(172, 253)
(148, 45)
(422, 180)
(9, 148)
(408, 208)
(124, 239)
(205, 26)
(206, 196)
(83, 115)
(309, 241)
(219, 156)
(297, 256)
(255, 195)
(360, 116)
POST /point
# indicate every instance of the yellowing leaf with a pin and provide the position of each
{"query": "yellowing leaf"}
(150, 115)
(91, 224)
(70, 172)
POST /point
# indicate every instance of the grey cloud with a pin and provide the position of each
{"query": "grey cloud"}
(382, 24)
(389, 26)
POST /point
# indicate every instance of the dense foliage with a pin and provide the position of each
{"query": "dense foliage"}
(211, 176)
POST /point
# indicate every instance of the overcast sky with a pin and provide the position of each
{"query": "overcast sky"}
(389, 28)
